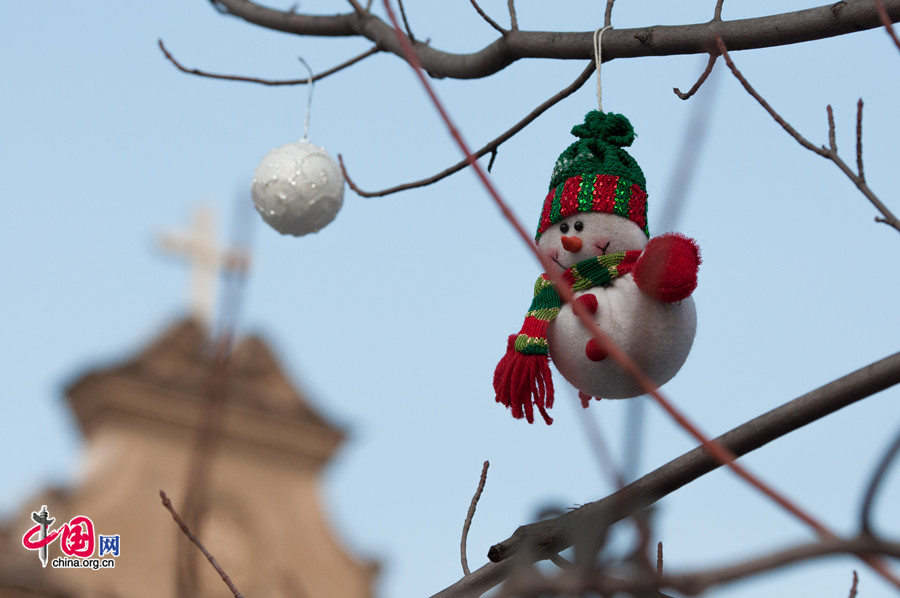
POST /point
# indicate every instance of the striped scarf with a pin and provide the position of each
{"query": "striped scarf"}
(524, 370)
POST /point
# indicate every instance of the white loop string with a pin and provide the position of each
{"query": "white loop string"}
(598, 61)
(309, 86)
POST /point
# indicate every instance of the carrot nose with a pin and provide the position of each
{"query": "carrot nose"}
(572, 244)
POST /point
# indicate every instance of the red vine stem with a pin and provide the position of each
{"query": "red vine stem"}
(716, 450)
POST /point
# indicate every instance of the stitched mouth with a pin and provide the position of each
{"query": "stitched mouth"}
(604, 248)
(557, 263)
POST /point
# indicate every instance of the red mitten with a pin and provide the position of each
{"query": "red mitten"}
(667, 269)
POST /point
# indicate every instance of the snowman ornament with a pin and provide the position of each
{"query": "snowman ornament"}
(593, 228)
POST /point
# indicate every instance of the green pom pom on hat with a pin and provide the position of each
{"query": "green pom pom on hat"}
(594, 174)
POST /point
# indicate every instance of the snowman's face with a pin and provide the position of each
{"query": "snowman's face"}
(588, 234)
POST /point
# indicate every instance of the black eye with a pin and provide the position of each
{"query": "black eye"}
(563, 228)
(579, 225)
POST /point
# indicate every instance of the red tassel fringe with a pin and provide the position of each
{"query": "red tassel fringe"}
(522, 382)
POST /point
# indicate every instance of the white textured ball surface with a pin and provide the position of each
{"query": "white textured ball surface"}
(297, 188)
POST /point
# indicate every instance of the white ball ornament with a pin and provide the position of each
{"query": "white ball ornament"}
(298, 188)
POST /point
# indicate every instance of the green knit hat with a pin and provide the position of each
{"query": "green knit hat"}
(595, 174)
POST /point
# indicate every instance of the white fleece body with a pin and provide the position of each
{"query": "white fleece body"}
(657, 335)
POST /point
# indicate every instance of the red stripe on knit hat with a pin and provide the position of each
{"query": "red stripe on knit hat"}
(637, 206)
(545, 213)
(605, 193)
(569, 200)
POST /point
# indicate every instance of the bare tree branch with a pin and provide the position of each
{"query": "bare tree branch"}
(717, 13)
(659, 560)
(187, 532)
(359, 9)
(406, 22)
(695, 583)
(550, 537)
(607, 15)
(859, 154)
(488, 19)
(887, 217)
(854, 585)
(832, 143)
(760, 32)
(489, 148)
(272, 82)
(469, 515)
(688, 467)
(703, 77)
(561, 561)
(875, 483)
(513, 19)
(599, 581)
(886, 21)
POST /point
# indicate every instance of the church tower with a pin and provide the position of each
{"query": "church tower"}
(263, 448)
(265, 522)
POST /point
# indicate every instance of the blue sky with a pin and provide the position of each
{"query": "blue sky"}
(105, 145)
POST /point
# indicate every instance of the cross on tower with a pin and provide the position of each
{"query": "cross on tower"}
(207, 259)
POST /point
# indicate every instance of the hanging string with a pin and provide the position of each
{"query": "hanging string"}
(309, 87)
(598, 61)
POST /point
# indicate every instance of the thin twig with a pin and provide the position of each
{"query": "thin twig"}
(762, 102)
(491, 161)
(356, 7)
(488, 19)
(513, 19)
(469, 515)
(887, 217)
(854, 585)
(272, 82)
(717, 13)
(832, 143)
(859, 152)
(703, 76)
(659, 559)
(884, 464)
(561, 561)
(719, 452)
(607, 16)
(490, 147)
(409, 32)
(187, 532)
(886, 21)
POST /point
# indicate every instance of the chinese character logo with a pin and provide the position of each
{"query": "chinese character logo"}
(109, 545)
(76, 538)
(43, 521)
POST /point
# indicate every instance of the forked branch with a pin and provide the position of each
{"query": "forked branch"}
(272, 82)
(830, 152)
(489, 148)
(659, 40)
